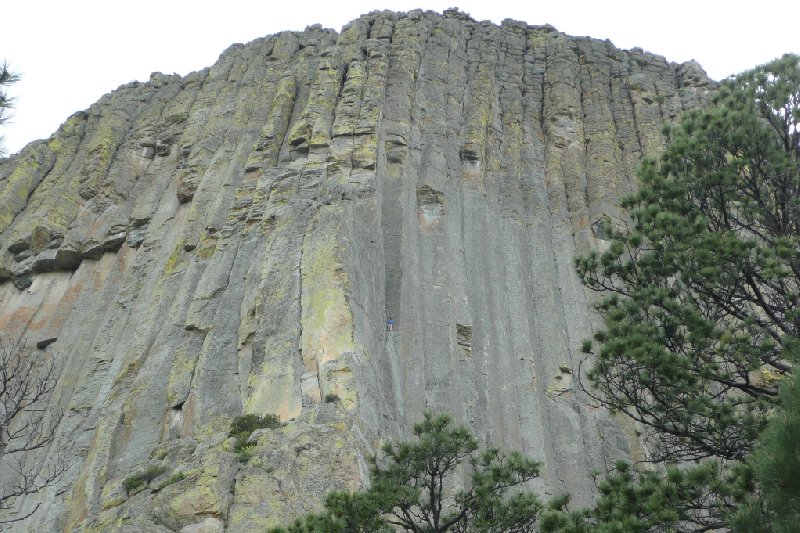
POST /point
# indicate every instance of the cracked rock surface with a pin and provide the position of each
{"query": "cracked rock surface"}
(234, 241)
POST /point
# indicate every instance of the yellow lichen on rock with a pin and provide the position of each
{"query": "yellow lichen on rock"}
(314, 127)
(273, 390)
(174, 259)
(180, 377)
(326, 317)
(272, 133)
(297, 460)
(208, 491)
(22, 181)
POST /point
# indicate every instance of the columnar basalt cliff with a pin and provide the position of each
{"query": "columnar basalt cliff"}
(234, 241)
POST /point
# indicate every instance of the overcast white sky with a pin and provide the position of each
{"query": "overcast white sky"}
(72, 52)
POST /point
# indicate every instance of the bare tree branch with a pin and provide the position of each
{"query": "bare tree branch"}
(27, 426)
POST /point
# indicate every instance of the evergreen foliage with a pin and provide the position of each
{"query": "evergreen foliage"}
(701, 304)
(133, 482)
(171, 480)
(414, 489)
(776, 469)
(680, 500)
(243, 426)
(7, 77)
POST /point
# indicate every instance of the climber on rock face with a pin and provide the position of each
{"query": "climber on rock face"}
(389, 325)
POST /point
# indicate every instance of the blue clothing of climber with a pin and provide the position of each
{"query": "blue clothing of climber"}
(389, 324)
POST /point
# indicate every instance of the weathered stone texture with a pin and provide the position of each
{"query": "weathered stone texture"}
(235, 240)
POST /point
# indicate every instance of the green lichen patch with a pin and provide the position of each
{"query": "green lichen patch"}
(110, 504)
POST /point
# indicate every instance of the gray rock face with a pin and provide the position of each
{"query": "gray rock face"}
(234, 241)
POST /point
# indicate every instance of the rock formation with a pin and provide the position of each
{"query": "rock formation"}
(234, 241)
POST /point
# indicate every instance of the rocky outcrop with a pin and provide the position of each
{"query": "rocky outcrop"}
(234, 241)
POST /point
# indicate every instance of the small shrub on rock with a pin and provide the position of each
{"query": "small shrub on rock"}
(134, 481)
(174, 478)
(251, 422)
(244, 452)
(244, 426)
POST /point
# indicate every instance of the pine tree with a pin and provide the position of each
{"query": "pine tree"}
(413, 488)
(701, 301)
(700, 498)
(7, 77)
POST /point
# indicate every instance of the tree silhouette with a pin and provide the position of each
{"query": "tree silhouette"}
(7, 77)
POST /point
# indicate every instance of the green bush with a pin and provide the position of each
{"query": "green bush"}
(135, 481)
(251, 422)
(244, 426)
(244, 451)
(174, 478)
